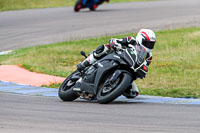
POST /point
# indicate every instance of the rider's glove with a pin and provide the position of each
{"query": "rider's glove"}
(113, 42)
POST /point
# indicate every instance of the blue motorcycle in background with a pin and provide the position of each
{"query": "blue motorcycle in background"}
(91, 4)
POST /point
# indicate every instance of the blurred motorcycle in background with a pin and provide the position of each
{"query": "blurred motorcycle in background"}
(91, 4)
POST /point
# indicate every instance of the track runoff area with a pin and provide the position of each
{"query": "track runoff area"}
(14, 88)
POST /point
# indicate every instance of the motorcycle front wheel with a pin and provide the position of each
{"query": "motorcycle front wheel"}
(110, 91)
(65, 91)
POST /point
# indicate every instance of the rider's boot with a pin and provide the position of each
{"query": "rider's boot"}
(131, 92)
(88, 61)
(100, 51)
(81, 66)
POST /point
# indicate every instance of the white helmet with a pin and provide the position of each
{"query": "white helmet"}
(146, 38)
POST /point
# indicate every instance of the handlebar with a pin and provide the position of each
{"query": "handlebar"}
(83, 54)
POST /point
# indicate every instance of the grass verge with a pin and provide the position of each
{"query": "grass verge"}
(6, 5)
(175, 70)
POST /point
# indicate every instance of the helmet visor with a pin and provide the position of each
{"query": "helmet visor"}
(149, 44)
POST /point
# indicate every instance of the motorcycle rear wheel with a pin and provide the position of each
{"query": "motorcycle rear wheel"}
(78, 5)
(65, 91)
(107, 94)
(93, 8)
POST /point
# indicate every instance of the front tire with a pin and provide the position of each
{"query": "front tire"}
(107, 94)
(65, 91)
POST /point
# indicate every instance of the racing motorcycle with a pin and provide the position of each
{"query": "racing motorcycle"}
(107, 78)
(91, 4)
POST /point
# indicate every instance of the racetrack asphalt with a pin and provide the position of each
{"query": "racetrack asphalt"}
(43, 26)
(30, 114)
(36, 114)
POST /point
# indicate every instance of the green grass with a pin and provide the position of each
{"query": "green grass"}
(6, 5)
(28, 4)
(175, 70)
(52, 85)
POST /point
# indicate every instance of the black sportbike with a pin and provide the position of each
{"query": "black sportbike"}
(108, 77)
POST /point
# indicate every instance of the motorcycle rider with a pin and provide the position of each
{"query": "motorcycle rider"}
(145, 37)
(98, 2)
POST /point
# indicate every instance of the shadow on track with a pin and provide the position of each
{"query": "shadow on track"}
(112, 103)
(100, 10)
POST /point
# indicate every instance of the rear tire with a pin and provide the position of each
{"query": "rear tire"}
(65, 91)
(78, 5)
(123, 82)
(94, 7)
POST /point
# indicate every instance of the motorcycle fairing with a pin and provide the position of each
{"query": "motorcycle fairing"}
(97, 71)
(129, 55)
(87, 84)
(113, 56)
(89, 3)
(108, 66)
(110, 62)
(94, 75)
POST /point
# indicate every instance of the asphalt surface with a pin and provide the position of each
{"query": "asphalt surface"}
(42, 26)
(35, 114)
(30, 114)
